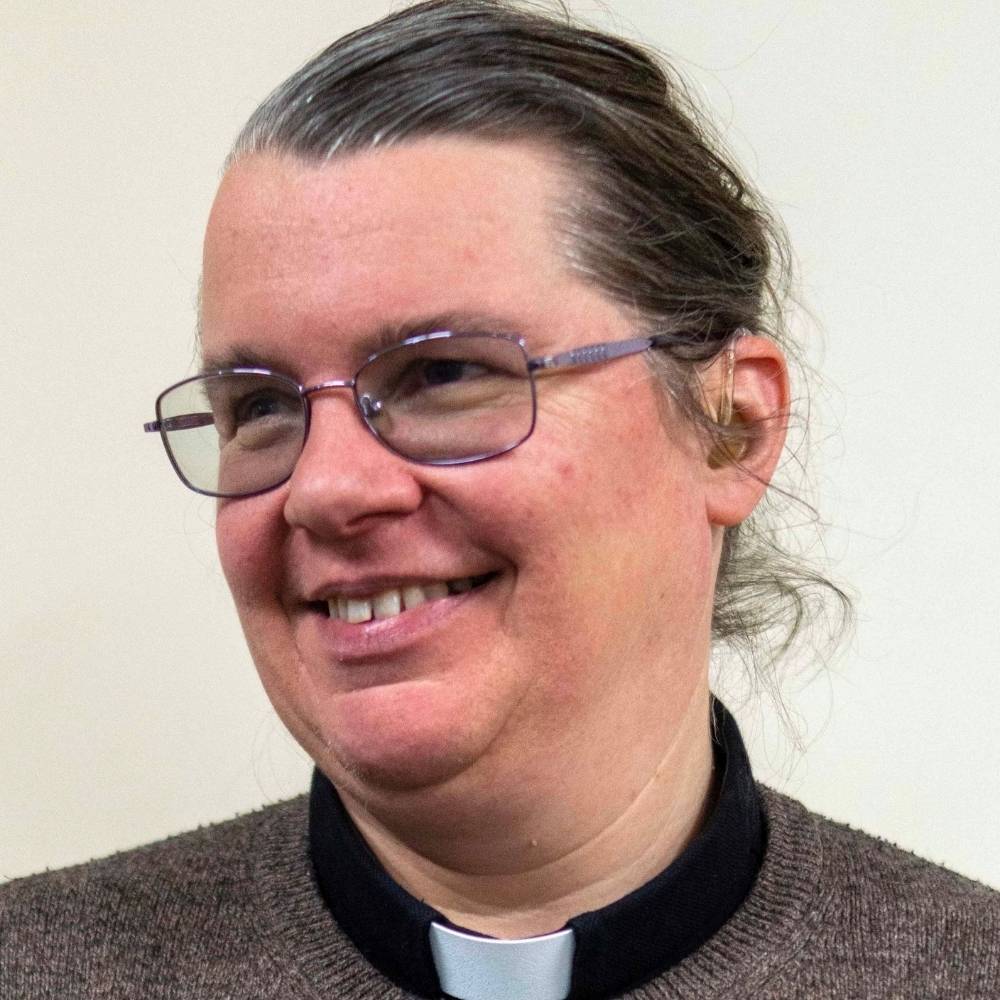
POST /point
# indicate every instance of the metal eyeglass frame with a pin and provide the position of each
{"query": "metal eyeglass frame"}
(588, 354)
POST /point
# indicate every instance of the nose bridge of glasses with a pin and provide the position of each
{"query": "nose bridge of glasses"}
(369, 406)
(334, 383)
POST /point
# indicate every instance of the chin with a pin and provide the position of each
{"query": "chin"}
(367, 773)
(399, 738)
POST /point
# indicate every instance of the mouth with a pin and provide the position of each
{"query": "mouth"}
(356, 609)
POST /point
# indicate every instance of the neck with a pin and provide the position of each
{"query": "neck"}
(522, 865)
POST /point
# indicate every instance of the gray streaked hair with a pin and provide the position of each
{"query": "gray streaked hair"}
(658, 218)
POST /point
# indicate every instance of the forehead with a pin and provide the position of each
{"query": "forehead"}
(298, 252)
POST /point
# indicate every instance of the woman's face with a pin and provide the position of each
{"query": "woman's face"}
(591, 635)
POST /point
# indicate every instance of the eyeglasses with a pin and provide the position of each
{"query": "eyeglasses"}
(436, 399)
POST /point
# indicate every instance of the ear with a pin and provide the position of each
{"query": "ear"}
(738, 474)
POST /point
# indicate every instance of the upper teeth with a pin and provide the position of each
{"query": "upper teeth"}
(392, 602)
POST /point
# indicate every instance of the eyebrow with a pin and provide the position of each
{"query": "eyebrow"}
(382, 337)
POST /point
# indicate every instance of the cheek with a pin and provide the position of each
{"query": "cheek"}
(643, 542)
(248, 537)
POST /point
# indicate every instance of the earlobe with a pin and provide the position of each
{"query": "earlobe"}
(740, 465)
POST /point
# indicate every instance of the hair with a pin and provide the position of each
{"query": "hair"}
(659, 219)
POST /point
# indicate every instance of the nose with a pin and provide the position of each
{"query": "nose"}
(345, 480)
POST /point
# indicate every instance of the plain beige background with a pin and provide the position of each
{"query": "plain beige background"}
(128, 705)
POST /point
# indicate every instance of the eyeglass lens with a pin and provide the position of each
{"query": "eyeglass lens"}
(439, 401)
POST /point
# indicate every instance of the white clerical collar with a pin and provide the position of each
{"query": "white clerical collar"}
(481, 968)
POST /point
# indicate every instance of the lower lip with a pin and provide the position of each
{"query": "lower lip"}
(348, 642)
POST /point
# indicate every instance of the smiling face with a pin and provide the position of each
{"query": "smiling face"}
(585, 637)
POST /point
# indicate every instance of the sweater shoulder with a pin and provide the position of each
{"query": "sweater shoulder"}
(118, 916)
(889, 915)
(875, 869)
(205, 855)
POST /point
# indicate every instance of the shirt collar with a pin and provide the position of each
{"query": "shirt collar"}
(617, 947)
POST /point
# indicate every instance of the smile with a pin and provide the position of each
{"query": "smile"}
(389, 603)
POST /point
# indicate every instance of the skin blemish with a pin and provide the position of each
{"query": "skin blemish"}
(566, 471)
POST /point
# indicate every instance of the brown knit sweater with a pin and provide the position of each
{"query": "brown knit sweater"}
(232, 911)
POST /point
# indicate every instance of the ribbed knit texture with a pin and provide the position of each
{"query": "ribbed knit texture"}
(232, 911)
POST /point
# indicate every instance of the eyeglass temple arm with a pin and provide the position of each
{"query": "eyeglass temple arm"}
(593, 354)
(186, 421)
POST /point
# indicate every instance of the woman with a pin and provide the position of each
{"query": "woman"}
(492, 384)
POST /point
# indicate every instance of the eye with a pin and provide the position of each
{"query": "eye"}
(445, 371)
(261, 405)
(444, 375)
(435, 381)
(257, 415)
(434, 375)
